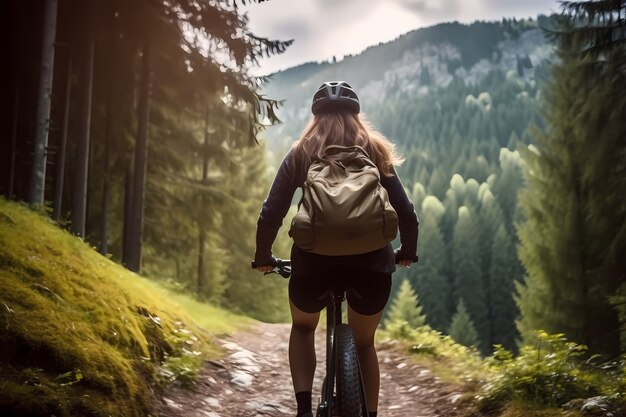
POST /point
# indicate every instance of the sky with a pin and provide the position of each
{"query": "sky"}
(322, 29)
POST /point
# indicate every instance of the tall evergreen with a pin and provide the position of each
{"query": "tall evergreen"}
(601, 30)
(83, 141)
(462, 328)
(44, 99)
(552, 249)
(254, 294)
(468, 277)
(406, 307)
(132, 252)
(571, 213)
(507, 184)
(502, 308)
(428, 276)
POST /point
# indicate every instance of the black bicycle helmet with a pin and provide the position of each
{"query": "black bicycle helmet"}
(335, 96)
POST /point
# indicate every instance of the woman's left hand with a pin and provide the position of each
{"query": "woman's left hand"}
(405, 262)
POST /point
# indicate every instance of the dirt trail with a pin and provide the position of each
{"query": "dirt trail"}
(253, 380)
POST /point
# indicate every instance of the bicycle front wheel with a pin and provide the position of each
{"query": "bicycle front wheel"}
(350, 392)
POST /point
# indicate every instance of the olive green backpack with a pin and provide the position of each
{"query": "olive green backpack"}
(344, 209)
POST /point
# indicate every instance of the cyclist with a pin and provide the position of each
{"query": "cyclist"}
(365, 277)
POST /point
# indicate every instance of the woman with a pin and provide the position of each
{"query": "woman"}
(366, 277)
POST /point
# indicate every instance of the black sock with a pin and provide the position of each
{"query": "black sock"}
(303, 398)
(373, 413)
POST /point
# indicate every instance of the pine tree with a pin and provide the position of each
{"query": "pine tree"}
(570, 209)
(490, 219)
(462, 328)
(44, 98)
(552, 244)
(428, 276)
(81, 157)
(468, 277)
(602, 28)
(438, 184)
(599, 33)
(503, 310)
(262, 297)
(507, 184)
(405, 307)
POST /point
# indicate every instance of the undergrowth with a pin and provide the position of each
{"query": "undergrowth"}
(552, 373)
(81, 335)
(553, 377)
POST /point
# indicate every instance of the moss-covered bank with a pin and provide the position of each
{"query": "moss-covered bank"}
(81, 335)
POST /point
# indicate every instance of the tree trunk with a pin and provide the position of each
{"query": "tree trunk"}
(44, 97)
(16, 102)
(128, 204)
(201, 260)
(60, 156)
(141, 153)
(104, 225)
(79, 197)
(201, 279)
(603, 320)
(205, 157)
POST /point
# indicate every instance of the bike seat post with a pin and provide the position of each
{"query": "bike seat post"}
(338, 300)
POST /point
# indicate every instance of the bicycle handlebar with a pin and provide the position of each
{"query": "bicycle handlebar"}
(282, 267)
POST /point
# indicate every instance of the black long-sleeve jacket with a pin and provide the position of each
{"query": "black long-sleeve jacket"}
(277, 205)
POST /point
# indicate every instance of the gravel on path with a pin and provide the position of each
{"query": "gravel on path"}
(253, 380)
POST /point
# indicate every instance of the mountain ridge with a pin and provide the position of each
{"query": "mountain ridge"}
(413, 63)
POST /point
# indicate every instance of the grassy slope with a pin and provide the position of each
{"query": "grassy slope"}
(80, 335)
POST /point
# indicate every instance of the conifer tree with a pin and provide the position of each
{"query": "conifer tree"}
(437, 185)
(468, 277)
(490, 219)
(44, 96)
(502, 308)
(508, 183)
(599, 32)
(259, 296)
(462, 328)
(552, 243)
(405, 307)
(571, 213)
(428, 276)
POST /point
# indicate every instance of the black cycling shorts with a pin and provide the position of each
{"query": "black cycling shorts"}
(367, 292)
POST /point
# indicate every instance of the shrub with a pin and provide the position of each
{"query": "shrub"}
(551, 373)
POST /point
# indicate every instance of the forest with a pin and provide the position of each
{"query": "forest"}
(139, 128)
(468, 107)
(135, 125)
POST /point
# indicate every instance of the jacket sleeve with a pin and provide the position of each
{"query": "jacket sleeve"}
(408, 222)
(275, 208)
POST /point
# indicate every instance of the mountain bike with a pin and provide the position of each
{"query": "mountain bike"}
(343, 392)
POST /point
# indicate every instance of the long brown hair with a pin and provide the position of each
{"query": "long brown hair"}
(344, 129)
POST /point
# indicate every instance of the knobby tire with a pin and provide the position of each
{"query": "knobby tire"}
(348, 378)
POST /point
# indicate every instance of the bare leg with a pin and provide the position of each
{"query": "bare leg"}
(302, 358)
(364, 329)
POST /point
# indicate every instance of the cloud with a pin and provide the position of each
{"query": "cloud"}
(323, 28)
(346, 9)
(295, 28)
(434, 11)
(522, 8)
(417, 6)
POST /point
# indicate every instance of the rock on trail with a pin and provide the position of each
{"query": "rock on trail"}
(253, 380)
